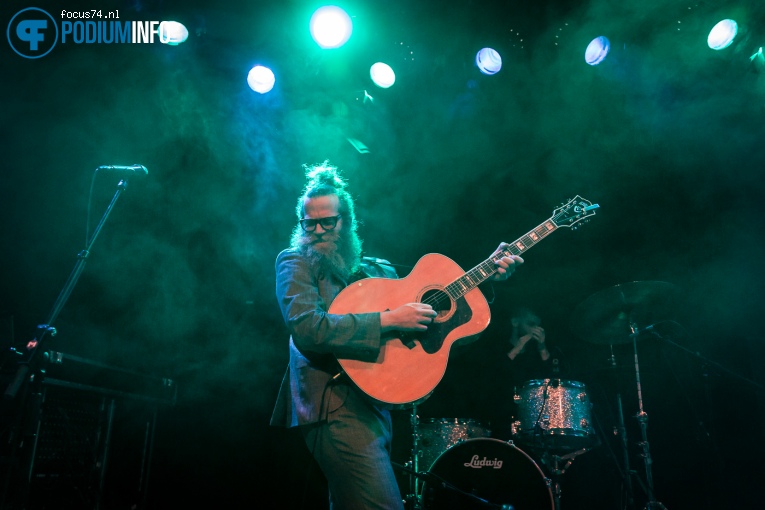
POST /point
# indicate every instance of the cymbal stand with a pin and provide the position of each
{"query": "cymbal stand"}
(621, 431)
(642, 418)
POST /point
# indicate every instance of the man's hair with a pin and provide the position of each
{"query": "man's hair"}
(324, 179)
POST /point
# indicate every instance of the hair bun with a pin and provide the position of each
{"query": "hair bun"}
(324, 174)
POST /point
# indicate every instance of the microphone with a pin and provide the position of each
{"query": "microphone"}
(136, 169)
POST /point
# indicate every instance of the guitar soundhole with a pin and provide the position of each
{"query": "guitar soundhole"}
(439, 300)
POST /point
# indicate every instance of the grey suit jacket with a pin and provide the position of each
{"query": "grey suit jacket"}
(317, 338)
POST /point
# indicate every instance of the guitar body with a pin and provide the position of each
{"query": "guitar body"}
(411, 365)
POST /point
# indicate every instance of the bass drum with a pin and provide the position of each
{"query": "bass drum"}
(484, 473)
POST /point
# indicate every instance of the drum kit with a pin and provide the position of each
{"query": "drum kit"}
(466, 468)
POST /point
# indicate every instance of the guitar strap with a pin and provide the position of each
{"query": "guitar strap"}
(372, 267)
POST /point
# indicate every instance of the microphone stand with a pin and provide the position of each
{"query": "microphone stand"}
(27, 382)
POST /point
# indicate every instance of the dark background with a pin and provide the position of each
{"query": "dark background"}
(665, 136)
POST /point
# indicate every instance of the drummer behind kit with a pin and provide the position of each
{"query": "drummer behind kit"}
(553, 421)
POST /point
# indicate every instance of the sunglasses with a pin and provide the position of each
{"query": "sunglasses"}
(328, 223)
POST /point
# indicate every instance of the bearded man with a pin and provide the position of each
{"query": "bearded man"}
(348, 435)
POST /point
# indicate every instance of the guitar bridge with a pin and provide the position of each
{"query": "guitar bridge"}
(408, 340)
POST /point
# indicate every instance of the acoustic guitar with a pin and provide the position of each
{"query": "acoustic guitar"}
(410, 365)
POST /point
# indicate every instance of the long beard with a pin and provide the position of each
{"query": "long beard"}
(340, 256)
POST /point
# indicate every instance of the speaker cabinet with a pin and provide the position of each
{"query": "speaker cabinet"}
(93, 451)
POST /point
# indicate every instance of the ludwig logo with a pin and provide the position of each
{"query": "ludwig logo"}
(477, 463)
(32, 33)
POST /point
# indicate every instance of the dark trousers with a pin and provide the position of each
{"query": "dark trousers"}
(353, 450)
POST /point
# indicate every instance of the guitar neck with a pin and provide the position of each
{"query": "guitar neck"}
(486, 269)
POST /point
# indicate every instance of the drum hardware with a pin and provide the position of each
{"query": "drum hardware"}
(553, 464)
(614, 316)
(622, 433)
(412, 467)
(486, 473)
(642, 418)
(427, 476)
(430, 439)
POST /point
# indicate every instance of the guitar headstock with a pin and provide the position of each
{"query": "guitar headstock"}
(573, 212)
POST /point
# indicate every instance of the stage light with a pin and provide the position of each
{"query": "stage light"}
(597, 50)
(330, 26)
(722, 34)
(261, 79)
(382, 75)
(172, 33)
(488, 61)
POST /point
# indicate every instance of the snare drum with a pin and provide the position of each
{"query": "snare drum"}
(437, 435)
(486, 473)
(553, 414)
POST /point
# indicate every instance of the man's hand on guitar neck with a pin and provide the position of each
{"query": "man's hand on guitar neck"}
(408, 317)
(506, 265)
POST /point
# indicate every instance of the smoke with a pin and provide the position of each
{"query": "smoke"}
(180, 282)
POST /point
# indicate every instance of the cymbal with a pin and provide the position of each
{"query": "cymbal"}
(607, 317)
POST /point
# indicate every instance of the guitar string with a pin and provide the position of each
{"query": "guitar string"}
(487, 268)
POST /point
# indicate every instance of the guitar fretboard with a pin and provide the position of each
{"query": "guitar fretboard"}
(480, 273)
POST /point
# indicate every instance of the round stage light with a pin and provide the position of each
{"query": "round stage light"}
(330, 26)
(488, 61)
(261, 79)
(597, 50)
(172, 33)
(382, 75)
(722, 34)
